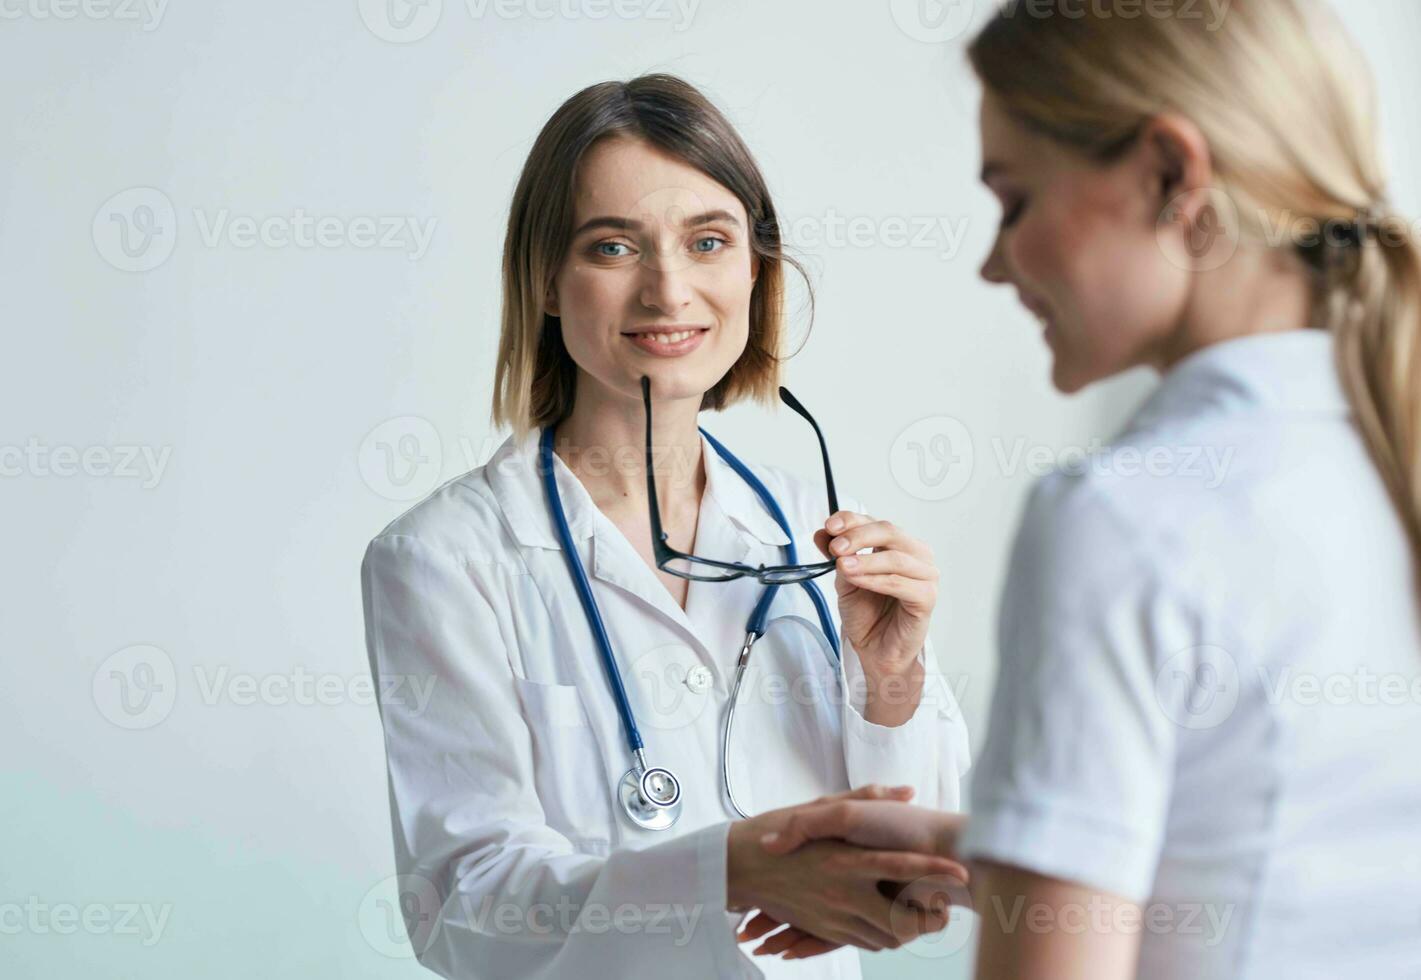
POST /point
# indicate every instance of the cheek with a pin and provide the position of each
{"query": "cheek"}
(1116, 294)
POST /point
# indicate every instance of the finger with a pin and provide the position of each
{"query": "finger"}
(903, 866)
(780, 941)
(810, 946)
(846, 520)
(813, 822)
(879, 534)
(759, 925)
(870, 791)
(886, 562)
(916, 596)
(843, 520)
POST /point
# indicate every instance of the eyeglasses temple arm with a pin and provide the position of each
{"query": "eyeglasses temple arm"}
(658, 536)
(793, 403)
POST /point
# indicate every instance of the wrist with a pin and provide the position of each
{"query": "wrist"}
(737, 892)
(892, 697)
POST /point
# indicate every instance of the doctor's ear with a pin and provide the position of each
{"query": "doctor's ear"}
(550, 301)
(1177, 163)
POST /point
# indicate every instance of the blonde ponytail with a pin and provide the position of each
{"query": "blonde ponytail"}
(1376, 318)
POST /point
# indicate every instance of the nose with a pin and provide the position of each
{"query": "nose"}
(994, 270)
(665, 284)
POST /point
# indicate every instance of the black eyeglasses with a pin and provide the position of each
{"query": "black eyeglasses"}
(694, 567)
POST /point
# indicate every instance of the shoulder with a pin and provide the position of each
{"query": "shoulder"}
(461, 521)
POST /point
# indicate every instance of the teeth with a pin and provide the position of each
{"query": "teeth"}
(670, 338)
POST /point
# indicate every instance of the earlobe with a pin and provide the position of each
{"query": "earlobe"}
(550, 302)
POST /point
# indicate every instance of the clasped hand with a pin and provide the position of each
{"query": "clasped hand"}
(863, 868)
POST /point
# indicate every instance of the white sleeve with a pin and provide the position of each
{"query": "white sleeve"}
(928, 751)
(1074, 779)
(488, 889)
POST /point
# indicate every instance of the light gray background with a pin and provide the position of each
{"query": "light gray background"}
(275, 382)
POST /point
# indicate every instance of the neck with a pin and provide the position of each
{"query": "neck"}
(603, 441)
(1256, 291)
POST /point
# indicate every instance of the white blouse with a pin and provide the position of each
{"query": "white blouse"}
(516, 860)
(1210, 690)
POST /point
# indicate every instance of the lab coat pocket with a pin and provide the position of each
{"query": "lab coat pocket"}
(568, 770)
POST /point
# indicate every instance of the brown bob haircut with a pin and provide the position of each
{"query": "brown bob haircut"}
(536, 378)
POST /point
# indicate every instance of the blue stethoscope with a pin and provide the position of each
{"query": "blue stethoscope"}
(651, 797)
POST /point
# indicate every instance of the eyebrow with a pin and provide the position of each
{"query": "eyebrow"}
(627, 224)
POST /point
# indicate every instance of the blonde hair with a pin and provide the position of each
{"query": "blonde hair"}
(535, 383)
(1286, 102)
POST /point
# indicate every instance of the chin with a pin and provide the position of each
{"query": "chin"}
(1067, 378)
(672, 380)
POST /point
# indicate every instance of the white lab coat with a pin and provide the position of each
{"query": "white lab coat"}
(515, 860)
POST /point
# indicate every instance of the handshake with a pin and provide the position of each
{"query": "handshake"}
(863, 868)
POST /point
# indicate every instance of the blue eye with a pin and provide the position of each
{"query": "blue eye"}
(712, 241)
(600, 246)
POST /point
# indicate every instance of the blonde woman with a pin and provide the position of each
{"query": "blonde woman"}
(568, 804)
(1202, 752)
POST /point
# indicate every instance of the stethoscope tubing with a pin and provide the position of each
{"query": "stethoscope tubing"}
(754, 627)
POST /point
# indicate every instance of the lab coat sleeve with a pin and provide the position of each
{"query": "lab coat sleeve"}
(928, 752)
(487, 888)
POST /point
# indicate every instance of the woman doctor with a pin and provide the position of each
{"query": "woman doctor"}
(560, 806)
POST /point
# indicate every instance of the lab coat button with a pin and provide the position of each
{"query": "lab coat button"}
(698, 679)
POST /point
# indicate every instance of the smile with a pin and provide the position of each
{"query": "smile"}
(667, 342)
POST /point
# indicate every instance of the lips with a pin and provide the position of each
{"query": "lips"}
(667, 340)
(1037, 310)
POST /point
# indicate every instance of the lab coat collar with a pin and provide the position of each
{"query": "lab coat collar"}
(512, 474)
(1294, 371)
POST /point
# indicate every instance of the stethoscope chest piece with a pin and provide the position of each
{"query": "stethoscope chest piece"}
(650, 797)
